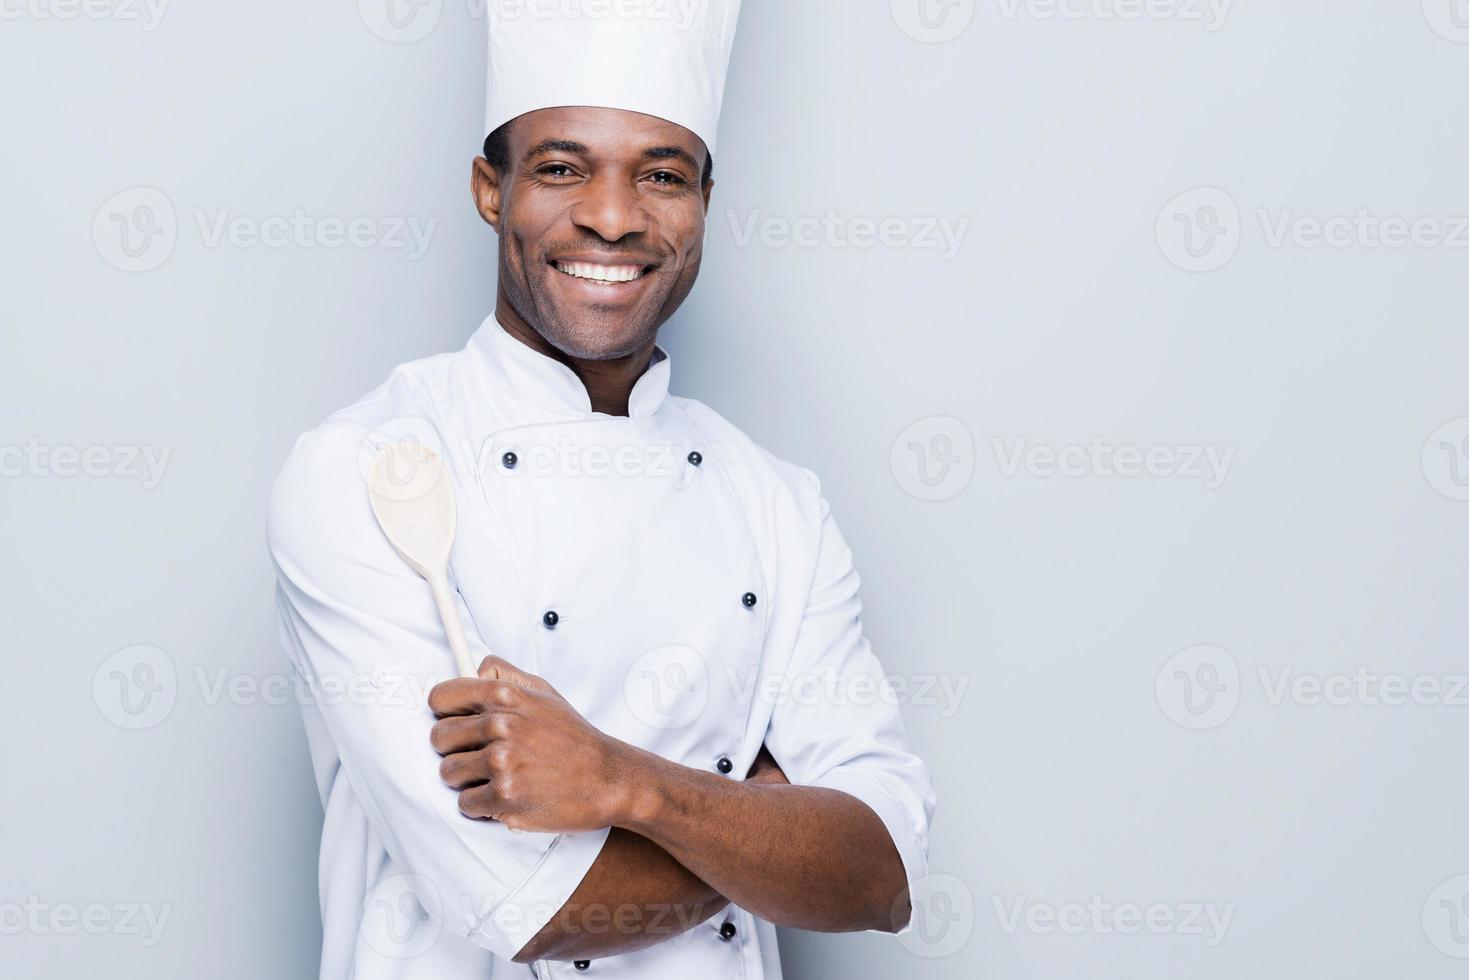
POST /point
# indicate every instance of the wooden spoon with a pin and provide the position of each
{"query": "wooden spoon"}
(413, 502)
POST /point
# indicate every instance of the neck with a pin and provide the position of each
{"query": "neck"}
(609, 383)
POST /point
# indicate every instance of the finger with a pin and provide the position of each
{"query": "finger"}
(465, 733)
(499, 669)
(459, 696)
(462, 770)
(481, 802)
(469, 696)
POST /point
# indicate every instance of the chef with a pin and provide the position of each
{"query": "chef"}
(678, 738)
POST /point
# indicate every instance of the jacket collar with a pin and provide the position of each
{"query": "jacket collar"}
(545, 388)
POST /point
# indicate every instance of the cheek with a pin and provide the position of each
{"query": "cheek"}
(524, 229)
(683, 230)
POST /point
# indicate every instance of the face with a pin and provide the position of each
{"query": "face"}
(600, 214)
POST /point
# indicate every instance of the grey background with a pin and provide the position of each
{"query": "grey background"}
(1331, 834)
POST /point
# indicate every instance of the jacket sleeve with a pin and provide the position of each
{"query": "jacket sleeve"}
(837, 722)
(362, 629)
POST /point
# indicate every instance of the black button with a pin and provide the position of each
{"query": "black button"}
(727, 931)
(509, 459)
(696, 457)
(748, 599)
(724, 766)
(582, 964)
(550, 619)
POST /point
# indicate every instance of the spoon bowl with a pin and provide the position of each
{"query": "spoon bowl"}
(413, 500)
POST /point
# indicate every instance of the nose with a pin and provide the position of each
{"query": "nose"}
(611, 209)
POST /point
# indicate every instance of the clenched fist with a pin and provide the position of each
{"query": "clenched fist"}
(520, 754)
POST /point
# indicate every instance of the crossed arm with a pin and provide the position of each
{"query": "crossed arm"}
(684, 842)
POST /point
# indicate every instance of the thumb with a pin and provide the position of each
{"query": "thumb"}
(494, 668)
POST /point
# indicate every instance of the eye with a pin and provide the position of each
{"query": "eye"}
(554, 170)
(667, 177)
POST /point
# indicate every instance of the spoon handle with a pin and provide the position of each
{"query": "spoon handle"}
(449, 613)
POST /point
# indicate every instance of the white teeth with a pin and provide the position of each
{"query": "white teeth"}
(601, 273)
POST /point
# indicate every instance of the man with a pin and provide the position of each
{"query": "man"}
(680, 739)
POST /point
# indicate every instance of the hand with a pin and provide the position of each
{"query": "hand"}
(520, 754)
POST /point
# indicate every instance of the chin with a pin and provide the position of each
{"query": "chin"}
(596, 339)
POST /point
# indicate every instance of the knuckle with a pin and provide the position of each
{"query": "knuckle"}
(497, 726)
(487, 696)
(498, 757)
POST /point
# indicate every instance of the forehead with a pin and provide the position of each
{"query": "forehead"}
(604, 132)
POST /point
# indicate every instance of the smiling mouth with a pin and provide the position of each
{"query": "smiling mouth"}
(596, 272)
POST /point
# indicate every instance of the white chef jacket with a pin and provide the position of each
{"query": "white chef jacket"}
(704, 604)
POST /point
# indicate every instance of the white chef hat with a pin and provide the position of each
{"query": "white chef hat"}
(664, 58)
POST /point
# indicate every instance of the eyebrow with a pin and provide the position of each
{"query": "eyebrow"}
(651, 153)
(671, 153)
(556, 146)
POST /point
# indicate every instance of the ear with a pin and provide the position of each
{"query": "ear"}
(484, 187)
(708, 191)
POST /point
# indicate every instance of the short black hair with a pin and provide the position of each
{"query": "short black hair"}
(497, 152)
